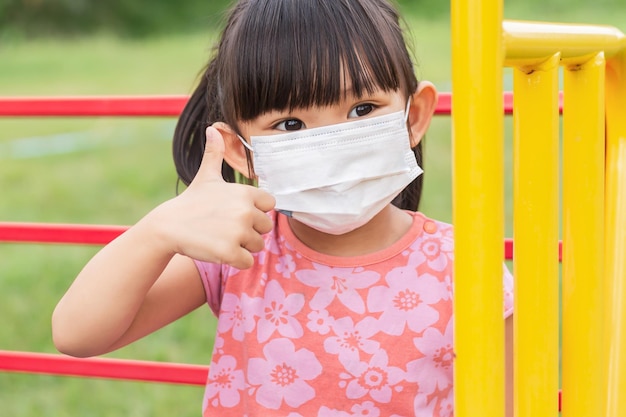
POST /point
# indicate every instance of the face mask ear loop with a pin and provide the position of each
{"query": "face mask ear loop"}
(406, 111)
(246, 144)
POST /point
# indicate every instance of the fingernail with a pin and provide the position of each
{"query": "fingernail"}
(209, 132)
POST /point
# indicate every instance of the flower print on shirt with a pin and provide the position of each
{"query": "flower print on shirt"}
(283, 374)
(218, 345)
(285, 265)
(224, 383)
(341, 283)
(445, 407)
(406, 301)
(365, 409)
(433, 371)
(349, 339)
(375, 378)
(438, 404)
(328, 412)
(434, 250)
(277, 313)
(233, 316)
(319, 321)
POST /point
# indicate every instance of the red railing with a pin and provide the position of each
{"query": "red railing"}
(49, 364)
(140, 106)
(85, 234)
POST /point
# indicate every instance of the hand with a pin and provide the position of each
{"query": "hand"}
(212, 220)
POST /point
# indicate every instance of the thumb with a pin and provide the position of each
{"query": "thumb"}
(211, 165)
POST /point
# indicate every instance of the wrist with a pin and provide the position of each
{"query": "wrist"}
(154, 232)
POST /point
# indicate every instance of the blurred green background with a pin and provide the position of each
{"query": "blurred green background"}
(141, 18)
(114, 170)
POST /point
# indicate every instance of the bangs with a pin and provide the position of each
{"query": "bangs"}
(286, 54)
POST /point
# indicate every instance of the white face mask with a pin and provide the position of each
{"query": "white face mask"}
(336, 178)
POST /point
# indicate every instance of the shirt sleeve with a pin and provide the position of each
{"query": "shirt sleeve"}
(508, 283)
(211, 276)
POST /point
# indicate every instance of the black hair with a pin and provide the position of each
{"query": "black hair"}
(287, 54)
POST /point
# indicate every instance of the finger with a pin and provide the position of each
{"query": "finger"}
(242, 259)
(262, 223)
(264, 201)
(211, 165)
(255, 243)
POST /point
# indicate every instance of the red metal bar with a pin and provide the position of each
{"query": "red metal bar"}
(136, 106)
(84, 234)
(49, 364)
(508, 249)
(59, 233)
(60, 365)
(444, 104)
(93, 106)
(121, 106)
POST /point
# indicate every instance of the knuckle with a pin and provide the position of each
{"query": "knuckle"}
(247, 216)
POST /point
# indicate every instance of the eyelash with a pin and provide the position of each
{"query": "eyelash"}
(283, 123)
(371, 106)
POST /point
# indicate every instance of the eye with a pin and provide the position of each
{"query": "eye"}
(290, 124)
(361, 110)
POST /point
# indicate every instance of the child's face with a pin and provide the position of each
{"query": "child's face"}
(376, 104)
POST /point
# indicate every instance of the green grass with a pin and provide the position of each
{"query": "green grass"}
(119, 170)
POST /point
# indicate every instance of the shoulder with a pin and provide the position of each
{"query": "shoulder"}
(432, 230)
(432, 249)
(432, 226)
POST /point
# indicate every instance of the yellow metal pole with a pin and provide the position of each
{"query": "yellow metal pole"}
(616, 232)
(536, 232)
(525, 41)
(478, 212)
(583, 382)
(527, 44)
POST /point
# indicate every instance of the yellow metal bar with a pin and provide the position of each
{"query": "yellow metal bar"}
(583, 382)
(616, 233)
(532, 42)
(536, 232)
(478, 212)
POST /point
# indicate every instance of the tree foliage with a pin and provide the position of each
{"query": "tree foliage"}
(133, 18)
(136, 18)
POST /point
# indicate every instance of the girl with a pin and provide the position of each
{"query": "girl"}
(333, 295)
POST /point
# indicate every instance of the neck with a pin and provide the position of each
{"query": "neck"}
(382, 231)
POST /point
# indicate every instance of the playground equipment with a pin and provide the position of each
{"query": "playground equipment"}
(593, 59)
(594, 213)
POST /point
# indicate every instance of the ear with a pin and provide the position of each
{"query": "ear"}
(421, 110)
(234, 151)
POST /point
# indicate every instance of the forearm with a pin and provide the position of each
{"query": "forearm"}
(105, 297)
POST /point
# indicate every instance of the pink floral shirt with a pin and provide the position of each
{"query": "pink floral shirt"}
(306, 334)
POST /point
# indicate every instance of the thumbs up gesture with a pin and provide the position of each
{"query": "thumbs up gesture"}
(212, 220)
